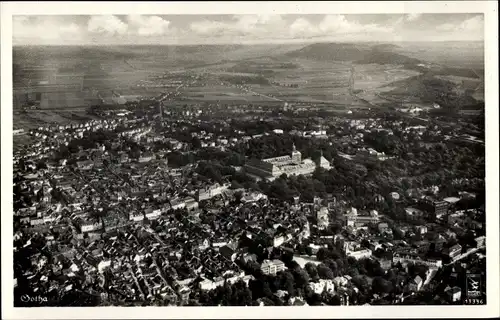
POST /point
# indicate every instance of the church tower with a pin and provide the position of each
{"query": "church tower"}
(296, 155)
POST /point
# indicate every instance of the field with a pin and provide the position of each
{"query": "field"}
(318, 73)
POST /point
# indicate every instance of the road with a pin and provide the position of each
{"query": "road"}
(464, 255)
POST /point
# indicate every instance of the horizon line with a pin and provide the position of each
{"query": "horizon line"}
(238, 43)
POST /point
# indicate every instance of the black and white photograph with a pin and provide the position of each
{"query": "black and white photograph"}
(160, 158)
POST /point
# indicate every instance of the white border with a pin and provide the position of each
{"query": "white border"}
(490, 10)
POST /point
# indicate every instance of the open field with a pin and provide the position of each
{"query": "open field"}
(240, 74)
(35, 118)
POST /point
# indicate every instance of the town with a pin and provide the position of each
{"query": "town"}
(220, 204)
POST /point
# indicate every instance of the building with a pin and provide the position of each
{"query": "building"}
(275, 167)
(480, 241)
(360, 254)
(413, 213)
(211, 191)
(136, 217)
(322, 162)
(91, 226)
(371, 153)
(358, 221)
(85, 165)
(421, 229)
(153, 214)
(416, 284)
(146, 158)
(406, 258)
(272, 267)
(454, 251)
(323, 285)
(383, 227)
(434, 207)
(279, 240)
(454, 294)
(322, 217)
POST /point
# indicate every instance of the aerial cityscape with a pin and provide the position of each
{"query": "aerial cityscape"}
(247, 160)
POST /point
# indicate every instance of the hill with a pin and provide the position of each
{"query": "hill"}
(430, 89)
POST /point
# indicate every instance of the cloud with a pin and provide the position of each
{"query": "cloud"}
(43, 29)
(407, 18)
(340, 24)
(108, 25)
(412, 16)
(205, 27)
(254, 26)
(333, 25)
(473, 24)
(302, 27)
(148, 25)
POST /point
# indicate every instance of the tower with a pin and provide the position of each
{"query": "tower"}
(296, 155)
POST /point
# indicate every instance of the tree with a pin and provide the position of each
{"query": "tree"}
(311, 269)
(287, 282)
(324, 272)
(301, 278)
(380, 285)
(330, 263)
(361, 282)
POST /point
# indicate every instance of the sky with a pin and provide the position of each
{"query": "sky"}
(243, 29)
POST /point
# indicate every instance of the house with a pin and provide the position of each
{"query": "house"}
(480, 241)
(406, 257)
(421, 229)
(433, 206)
(272, 266)
(229, 251)
(416, 284)
(211, 191)
(360, 254)
(340, 282)
(85, 165)
(147, 157)
(413, 213)
(323, 285)
(383, 227)
(454, 251)
(385, 264)
(395, 196)
(322, 217)
(454, 294)
(247, 257)
(279, 240)
(153, 214)
(91, 226)
(136, 217)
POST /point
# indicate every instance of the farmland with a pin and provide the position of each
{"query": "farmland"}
(317, 73)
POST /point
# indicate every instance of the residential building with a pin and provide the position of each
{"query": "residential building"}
(421, 229)
(211, 191)
(383, 227)
(405, 258)
(360, 254)
(272, 266)
(434, 207)
(322, 217)
(454, 251)
(454, 294)
(91, 226)
(323, 285)
(416, 284)
(480, 241)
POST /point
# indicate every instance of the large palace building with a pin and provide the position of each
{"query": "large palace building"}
(289, 165)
